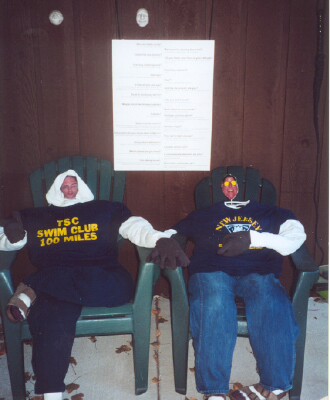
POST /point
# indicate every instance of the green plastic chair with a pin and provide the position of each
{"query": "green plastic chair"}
(133, 318)
(252, 187)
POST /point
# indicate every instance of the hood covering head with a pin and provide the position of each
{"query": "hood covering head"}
(56, 197)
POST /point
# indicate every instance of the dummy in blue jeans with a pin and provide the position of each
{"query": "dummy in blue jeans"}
(213, 318)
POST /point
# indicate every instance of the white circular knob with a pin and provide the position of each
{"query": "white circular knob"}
(56, 17)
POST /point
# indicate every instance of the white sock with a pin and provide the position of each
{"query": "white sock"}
(53, 396)
(26, 300)
(256, 392)
(276, 392)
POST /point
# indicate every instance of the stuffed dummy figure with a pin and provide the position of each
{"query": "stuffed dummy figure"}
(238, 252)
(73, 245)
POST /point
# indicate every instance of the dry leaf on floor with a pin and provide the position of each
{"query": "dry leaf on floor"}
(71, 387)
(192, 369)
(92, 339)
(123, 348)
(161, 320)
(237, 386)
(155, 312)
(27, 376)
(2, 349)
(155, 380)
(79, 396)
(73, 361)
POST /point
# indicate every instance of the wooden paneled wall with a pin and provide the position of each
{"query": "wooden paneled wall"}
(56, 96)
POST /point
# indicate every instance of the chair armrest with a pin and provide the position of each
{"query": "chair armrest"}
(308, 276)
(7, 259)
(305, 282)
(143, 253)
(303, 260)
(149, 274)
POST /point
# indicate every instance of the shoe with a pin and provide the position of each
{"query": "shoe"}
(250, 392)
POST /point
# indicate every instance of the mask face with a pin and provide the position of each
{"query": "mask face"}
(230, 188)
(142, 17)
(70, 187)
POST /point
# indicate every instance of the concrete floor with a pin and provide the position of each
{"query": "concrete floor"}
(103, 369)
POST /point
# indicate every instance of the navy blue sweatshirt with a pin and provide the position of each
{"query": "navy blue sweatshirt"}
(84, 234)
(207, 227)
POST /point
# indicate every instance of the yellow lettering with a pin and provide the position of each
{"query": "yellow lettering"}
(94, 227)
(223, 223)
(49, 232)
(62, 232)
(40, 234)
(69, 239)
(67, 222)
(75, 221)
(93, 236)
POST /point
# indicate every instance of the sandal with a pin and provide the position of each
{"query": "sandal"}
(17, 310)
(246, 392)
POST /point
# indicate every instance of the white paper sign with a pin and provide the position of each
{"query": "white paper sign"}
(162, 104)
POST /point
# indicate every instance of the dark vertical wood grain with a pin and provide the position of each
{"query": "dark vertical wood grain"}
(229, 30)
(265, 78)
(21, 130)
(54, 54)
(2, 102)
(95, 26)
(299, 147)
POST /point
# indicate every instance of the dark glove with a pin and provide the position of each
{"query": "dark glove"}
(168, 254)
(13, 228)
(235, 244)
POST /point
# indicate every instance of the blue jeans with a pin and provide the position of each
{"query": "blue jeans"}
(213, 323)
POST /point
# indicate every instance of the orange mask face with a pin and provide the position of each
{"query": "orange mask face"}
(230, 188)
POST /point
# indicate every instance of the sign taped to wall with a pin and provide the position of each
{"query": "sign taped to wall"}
(162, 104)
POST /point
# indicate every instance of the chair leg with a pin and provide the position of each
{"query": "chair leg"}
(141, 347)
(300, 307)
(295, 392)
(15, 360)
(180, 328)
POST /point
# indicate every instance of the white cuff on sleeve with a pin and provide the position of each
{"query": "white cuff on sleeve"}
(140, 232)
(6, 245)
(290, 237)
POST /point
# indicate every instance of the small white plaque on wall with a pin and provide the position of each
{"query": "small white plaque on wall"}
(162, 104)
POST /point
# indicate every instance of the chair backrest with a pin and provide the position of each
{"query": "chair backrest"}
(251, 187)
(99, 175)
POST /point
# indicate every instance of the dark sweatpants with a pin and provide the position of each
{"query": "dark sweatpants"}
(61, 293)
